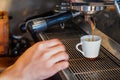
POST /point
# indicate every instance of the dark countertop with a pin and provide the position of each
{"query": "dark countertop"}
(6, 62)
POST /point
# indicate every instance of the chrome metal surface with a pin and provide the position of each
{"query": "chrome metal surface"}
(93, 6)
(93, 2)
(62, 7)
(88, 9)
(117, 6)
(105, 67)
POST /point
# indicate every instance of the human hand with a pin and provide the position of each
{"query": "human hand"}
(40, 61)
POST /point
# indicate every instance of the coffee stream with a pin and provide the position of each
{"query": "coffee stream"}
(92, 25)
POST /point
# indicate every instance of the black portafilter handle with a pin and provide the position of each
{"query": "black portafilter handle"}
(38, 25)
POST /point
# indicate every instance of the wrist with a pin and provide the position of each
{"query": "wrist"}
(10, 74)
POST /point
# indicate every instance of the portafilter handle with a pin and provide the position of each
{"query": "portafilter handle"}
(38, 25)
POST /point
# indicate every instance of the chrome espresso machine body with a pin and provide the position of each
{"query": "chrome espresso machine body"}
(80, 7)
(106, 66)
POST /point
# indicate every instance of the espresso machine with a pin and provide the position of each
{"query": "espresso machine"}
(66, 24)
(66, 10)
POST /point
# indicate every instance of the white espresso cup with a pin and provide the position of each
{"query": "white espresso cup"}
(90, 48)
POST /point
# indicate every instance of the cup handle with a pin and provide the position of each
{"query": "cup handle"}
(78, 48)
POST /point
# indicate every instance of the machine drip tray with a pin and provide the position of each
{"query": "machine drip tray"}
(105, 67)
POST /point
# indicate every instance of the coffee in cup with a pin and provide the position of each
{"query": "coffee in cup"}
(90, 48)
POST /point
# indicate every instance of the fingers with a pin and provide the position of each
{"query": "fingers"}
(48, 48)
(59, 66)
(62, 56)
(54, 50)
(49, 43)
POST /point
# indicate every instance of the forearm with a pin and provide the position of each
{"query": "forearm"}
(10, 74)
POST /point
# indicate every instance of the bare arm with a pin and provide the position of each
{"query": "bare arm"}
(41, 61)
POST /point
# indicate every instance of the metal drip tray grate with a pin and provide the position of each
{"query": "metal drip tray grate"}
(102, 68)
(105, 67)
